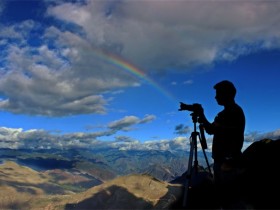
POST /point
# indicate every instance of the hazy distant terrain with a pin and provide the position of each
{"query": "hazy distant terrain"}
(103, 164)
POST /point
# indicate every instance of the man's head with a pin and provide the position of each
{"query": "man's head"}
(225, 92)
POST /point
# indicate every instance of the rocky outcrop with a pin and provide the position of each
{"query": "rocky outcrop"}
(254, 187)
(260, 180)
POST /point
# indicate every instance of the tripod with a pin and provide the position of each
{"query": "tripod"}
(193, 163)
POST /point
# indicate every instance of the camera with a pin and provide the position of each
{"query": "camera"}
(196, 108)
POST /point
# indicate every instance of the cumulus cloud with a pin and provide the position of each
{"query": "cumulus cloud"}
(40, 139)
(69, 70)
(124, 139)
(126, 123)
(147, 119)
(193, 32)
(34, 139)
(256, 136)
(182, 129)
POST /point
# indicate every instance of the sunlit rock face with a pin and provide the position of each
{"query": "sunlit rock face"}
(128, 192)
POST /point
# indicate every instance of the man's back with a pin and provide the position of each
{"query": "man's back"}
(229, 132)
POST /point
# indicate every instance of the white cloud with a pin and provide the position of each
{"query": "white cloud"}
(70, 70)
(193, 32)
(256, 136)
(9, 134)
(188, 82)
(147, 119)
(181, 129)
(126, 123)
(35, 139)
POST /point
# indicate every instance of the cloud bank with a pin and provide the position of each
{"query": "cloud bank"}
(62, 68)
(17, 138)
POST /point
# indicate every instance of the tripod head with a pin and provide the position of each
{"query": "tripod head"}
(196, 110)
(202, 138)
(194, 117)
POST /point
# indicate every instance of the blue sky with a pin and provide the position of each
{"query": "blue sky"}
(59, 88)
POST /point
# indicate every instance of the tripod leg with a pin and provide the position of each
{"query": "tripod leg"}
(208, 166)
(204, 153)
(189, 172)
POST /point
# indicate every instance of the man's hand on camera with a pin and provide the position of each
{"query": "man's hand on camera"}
(198, 109)
(200, 113)
(202, 119)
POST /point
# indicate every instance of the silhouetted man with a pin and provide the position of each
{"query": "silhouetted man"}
(228, 137)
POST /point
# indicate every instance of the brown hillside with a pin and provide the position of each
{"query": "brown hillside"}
(19, 184)
(24, 188)
(127, 192)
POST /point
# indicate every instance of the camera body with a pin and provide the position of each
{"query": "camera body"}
(196, 108)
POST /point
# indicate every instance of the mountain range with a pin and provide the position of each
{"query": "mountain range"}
(104, 164)
(24, 188)
(115, 179)
(33, 178)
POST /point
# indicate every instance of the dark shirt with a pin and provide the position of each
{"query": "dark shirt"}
(228, 129)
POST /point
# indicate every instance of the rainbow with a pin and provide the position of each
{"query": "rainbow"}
(124, 65)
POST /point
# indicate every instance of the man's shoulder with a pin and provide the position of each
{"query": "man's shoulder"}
(233, 110)
(238, 108)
